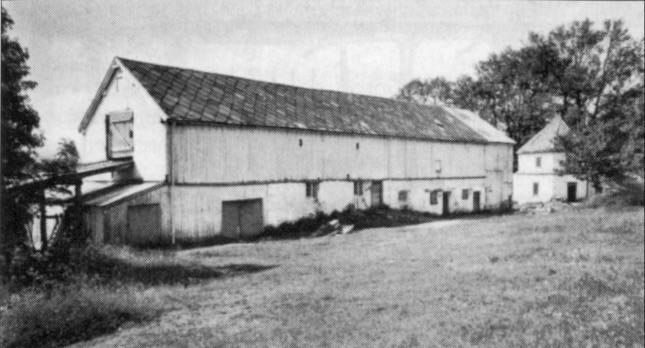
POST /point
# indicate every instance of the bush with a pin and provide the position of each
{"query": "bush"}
(628, 194)
(382, 216)
(70, 314)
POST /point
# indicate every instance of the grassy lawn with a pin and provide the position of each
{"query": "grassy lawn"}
(559, 280)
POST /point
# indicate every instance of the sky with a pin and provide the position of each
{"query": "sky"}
(368, 47)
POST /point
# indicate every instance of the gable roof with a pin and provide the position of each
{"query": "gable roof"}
(192, 96)
(544, 140)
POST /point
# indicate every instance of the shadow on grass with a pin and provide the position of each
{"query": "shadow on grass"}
(164, 272)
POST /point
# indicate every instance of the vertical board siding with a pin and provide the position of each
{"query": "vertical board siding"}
(230, 154)
(115, 218)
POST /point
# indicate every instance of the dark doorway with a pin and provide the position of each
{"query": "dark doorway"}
(476, 201)
(377, 193)
(446, 202)
(572, 190)
(144, 223)
(242, 218)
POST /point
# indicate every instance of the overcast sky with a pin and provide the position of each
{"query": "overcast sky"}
(370, 47)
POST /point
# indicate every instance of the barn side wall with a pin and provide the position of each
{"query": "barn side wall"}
(197, 209)
(214, 154)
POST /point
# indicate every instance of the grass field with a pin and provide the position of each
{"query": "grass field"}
(561, 280)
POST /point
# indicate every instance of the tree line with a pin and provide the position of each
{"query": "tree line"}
(590, 75)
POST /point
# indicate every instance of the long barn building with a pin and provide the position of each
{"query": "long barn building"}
(221, 156)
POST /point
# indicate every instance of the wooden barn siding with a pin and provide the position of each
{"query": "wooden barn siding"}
(204, 154)
(115, 220)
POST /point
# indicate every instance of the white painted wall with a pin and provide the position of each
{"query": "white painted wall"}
(551, 184)
(149, 133)
(551, 162)
(197, 210)
(236, 154)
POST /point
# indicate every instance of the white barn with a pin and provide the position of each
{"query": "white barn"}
(539, 177)
(215, 156)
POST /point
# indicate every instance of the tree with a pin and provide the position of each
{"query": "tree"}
(19, 136)
(598, 86)
(20, 139)
(430, 91)
(592, 77)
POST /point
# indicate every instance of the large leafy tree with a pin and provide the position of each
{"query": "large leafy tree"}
(591, 76)
(20, 138)
(431, 91)
(598, 84)
(19, 120)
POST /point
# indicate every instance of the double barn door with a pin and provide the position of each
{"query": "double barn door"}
(242, 218)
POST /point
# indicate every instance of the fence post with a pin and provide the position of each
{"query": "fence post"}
(43, 221)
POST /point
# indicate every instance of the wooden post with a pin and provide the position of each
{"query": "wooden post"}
(43, 222)
(78, 209)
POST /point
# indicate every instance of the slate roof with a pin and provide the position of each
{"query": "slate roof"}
(544, 140)
(187, 95)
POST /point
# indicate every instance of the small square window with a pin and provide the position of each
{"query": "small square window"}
(358, 188)
(433, 197)
(538, 162)
(403, 196)
(536, 188)
(464, 194)
(312, 189)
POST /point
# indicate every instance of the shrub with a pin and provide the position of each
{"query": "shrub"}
(382, 216)
(629, 194)
(70, 314)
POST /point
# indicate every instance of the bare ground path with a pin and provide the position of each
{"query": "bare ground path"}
(501, 281)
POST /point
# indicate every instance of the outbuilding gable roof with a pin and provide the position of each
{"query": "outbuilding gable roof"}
(545, 140)
(187, 95)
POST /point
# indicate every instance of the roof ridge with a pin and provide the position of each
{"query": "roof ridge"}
(403, 102)
(191, 95)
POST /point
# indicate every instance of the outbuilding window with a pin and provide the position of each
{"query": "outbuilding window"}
(403, 196)
(536, 188)
(312, 189)
(433, 197)
(464, 194)
(358, 188)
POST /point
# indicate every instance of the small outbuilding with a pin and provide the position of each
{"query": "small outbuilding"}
(539, 177)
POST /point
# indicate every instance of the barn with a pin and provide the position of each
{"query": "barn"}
(210, 156)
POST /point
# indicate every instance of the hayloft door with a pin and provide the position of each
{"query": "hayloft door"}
(119, 134)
